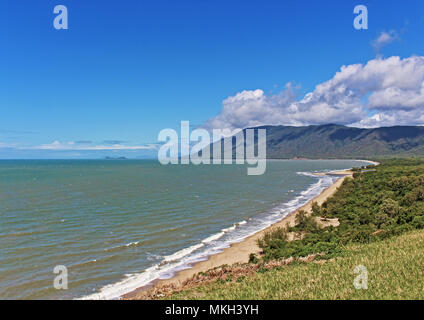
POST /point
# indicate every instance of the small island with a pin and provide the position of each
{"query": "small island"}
(116, 158)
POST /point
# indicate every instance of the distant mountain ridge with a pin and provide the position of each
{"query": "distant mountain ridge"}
(338, 141)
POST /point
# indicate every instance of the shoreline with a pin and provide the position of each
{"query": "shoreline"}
(239, 252)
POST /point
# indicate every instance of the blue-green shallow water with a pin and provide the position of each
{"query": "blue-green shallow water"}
(117, 225)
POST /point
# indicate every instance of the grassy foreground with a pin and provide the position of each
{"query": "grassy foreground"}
(377, 222)
(395, 271)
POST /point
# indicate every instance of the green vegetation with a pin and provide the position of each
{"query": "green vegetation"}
(374, 205)
(395, 271)
(380, 211)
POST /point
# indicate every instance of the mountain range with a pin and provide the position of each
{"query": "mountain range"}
(338, 141)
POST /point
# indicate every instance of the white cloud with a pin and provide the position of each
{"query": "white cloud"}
(384, 39)
(7, 145)
(396, 97)
(67, 146)
(392, 88)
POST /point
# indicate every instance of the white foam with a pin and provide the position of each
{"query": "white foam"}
(229, 229)
(132, 243)
(165, 269)
(183, 259)
(213, 237)
(130, 283)
(182, 253)
(235, 225)
(307, 174)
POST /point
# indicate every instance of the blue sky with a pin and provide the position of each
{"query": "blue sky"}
(126, 69)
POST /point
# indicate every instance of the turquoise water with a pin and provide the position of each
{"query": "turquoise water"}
(117, 225)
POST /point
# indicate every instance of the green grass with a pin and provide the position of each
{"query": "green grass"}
(395, 271)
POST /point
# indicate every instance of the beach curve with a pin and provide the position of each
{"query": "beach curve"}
(239, 252)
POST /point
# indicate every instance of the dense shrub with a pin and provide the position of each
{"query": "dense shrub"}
(418, 222)
(305, 222)
(374, 205)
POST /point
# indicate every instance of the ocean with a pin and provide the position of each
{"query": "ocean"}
(119, 224)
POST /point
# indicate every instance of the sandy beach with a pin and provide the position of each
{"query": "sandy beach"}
(239, 252)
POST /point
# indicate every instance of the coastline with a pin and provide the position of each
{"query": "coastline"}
(239, 252)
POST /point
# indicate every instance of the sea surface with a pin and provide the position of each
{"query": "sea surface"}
(119, 224)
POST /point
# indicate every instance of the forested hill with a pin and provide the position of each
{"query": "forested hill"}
(337, 141)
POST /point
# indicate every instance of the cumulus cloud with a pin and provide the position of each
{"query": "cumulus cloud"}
(381, 92)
